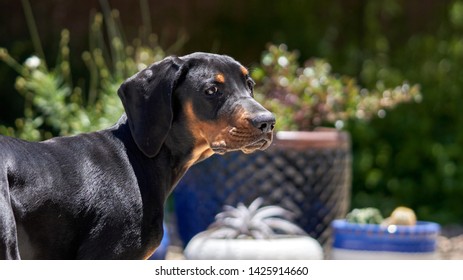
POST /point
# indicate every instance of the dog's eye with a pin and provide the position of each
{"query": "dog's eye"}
(250, 84)
(212, 90)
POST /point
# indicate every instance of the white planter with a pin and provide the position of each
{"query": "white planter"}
(201, 247)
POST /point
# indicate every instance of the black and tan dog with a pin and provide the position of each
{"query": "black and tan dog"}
(101, 195)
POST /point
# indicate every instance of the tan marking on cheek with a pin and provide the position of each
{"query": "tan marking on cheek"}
(220, 78)
(201, 148)
(244, 70)
(202, 130)
(193, 122)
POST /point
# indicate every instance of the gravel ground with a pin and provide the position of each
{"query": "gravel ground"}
(451, 248)
(450, 243)
(448, 248)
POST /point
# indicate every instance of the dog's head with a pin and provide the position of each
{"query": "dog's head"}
(207, 95)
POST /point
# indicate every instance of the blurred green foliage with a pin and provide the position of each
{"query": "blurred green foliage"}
(415, 156)
(54, 106)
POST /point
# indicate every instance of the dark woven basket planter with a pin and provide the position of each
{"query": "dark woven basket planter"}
(308, 173)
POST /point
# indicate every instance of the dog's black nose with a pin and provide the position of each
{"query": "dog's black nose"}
(265, 122)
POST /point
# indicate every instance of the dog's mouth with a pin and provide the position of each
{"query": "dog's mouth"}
(259, 145)
(247, 146)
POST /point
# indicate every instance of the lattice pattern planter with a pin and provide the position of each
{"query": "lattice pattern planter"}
(308, 173)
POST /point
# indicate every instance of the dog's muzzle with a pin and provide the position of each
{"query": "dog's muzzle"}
(265, 123)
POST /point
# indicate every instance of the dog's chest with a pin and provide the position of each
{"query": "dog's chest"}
(26, 248)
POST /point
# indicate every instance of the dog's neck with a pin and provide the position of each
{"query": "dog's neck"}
(185, 150)
(178, 153)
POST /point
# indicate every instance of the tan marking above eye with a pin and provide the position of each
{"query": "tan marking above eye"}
(244, 70)
(220, 78)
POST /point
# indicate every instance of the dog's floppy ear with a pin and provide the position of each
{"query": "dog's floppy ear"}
(147, 100)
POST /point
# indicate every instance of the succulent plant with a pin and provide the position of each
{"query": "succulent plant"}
(367, 215)
(254, 222)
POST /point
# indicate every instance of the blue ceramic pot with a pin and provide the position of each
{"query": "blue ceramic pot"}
(307, 173)
(352, 240)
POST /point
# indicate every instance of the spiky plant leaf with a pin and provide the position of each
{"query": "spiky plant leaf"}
(255, 205)
(272, 211)
(284, 226)
(253, 222)
(257, 234)
(224, 233)
(260, 227)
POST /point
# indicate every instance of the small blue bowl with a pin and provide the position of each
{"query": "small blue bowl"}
(421, 238)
